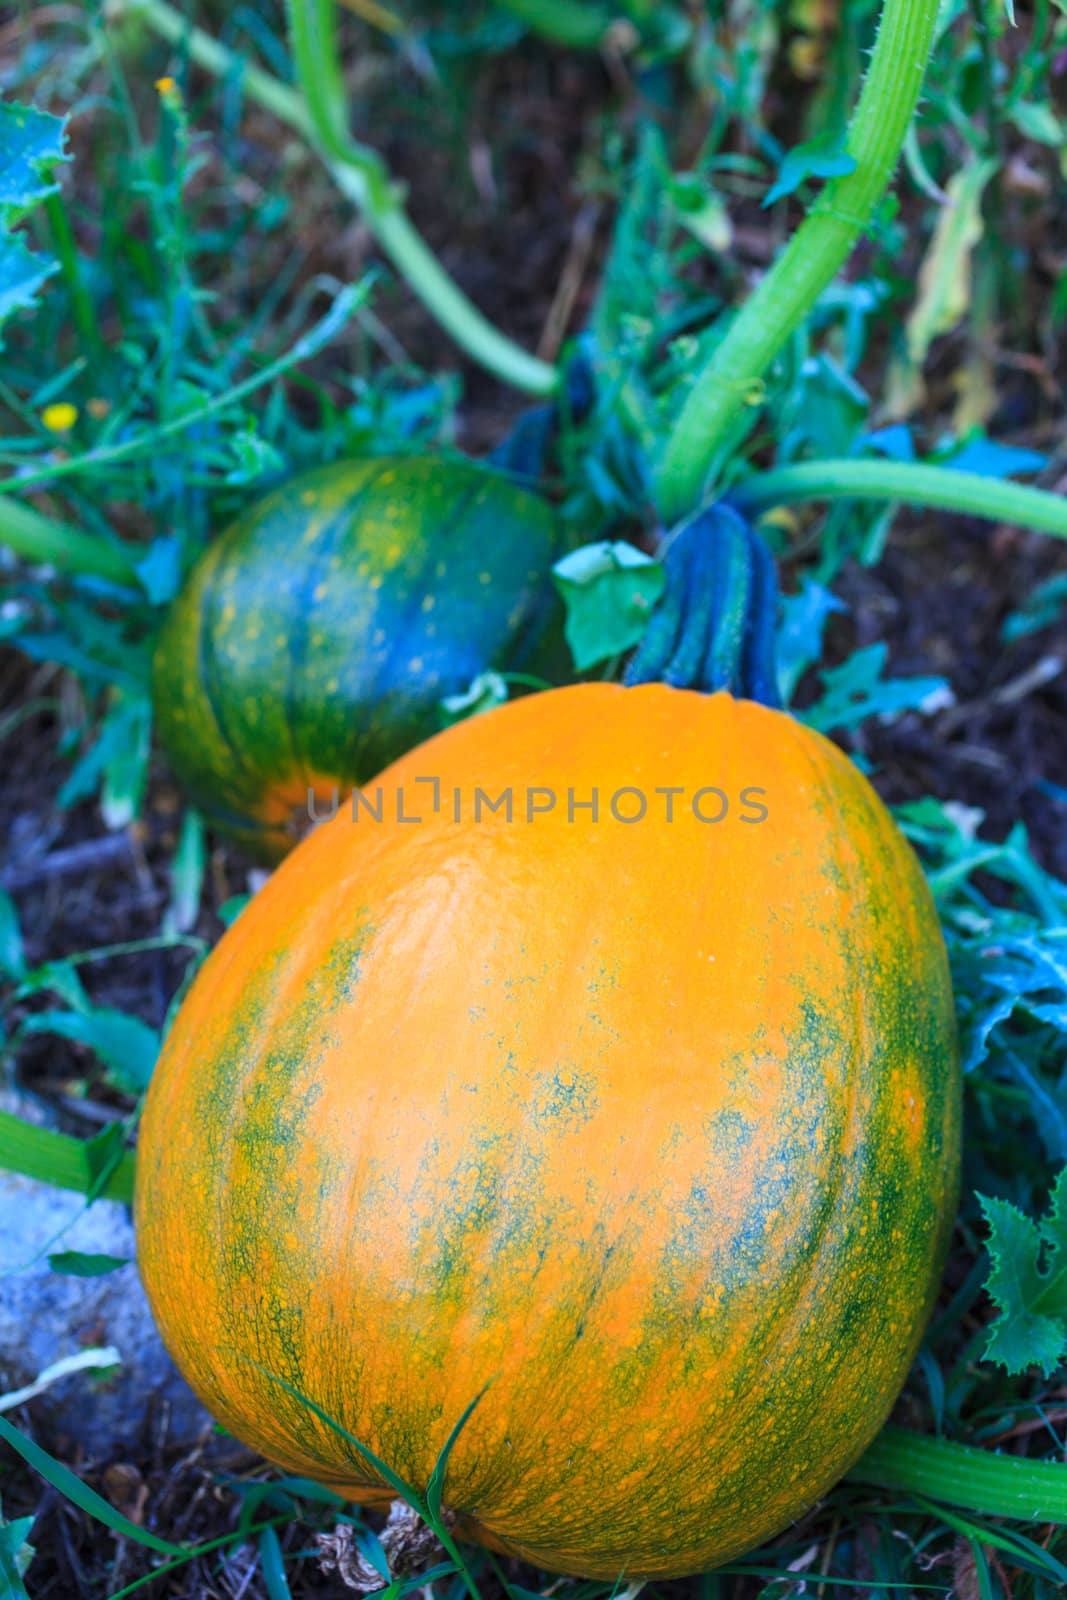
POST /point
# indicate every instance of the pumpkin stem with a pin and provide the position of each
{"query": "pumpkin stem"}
(714, 628)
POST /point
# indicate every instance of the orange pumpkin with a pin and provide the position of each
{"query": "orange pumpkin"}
(650, 1125)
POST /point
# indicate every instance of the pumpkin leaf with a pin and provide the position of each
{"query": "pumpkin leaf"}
(31, 142)
(857, 690)
(609, 591)
(824, 157)
(800, 632)
(1028, 1283)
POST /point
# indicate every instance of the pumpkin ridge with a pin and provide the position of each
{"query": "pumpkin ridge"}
(386, 671)
(209, 666)
(330, 536)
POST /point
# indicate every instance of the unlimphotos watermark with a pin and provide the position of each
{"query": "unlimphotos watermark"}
(532, 802)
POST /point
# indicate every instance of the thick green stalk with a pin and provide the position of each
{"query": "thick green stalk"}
(911, 483)
(961, 1475)
(49, 543)
(809, 262)
(360, 176)
(58, 1159)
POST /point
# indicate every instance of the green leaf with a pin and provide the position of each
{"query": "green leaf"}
(126, 768)
(610, 591)
(800, 631)
(255, 457)
(436, 1485)
(272, 1566)
(61, 978)
(160, 569)
(100, 1166)
(12, 958)
(1028, 1283)
(1037, 121)
(990, 459)
(945, 275)
(231, 909)
(31, 142)
(1044, 606)
(127, 1046)
(825, 157)
(117, 760)
(84, 1264)
(15, 1556)
(186, 875)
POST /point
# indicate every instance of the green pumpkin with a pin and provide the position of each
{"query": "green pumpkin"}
(315, 639)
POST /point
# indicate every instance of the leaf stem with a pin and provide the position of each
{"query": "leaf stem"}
(39, 539)
(910, 482)
(809, 262)
(358, 173)
(962, 1475)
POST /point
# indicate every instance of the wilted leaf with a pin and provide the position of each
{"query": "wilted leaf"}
(489, 689)
(945, 274)
(702, 212)
(98, 1358)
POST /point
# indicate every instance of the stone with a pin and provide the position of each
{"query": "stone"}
(46, 1316)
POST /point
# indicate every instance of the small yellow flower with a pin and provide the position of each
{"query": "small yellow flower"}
(166, 85)
(59, 418)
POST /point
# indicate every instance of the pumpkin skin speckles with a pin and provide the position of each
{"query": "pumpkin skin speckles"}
(315, 639)
(652, 1128)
